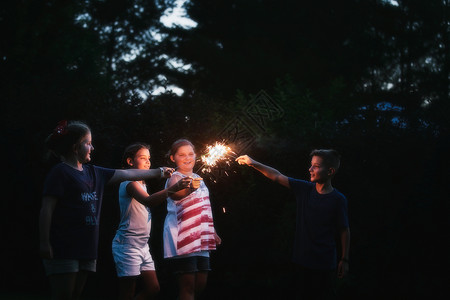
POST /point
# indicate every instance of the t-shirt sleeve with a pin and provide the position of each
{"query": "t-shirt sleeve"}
(343, 212)
(105, 173)
(54, 183)
(298, 184)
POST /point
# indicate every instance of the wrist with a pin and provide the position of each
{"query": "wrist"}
(162, 171)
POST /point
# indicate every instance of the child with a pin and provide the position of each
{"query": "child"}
(71, 203)
(189, 232)
(130, 245)
(321, 214)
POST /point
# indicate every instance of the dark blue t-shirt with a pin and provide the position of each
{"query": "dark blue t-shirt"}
(75, 221)
(319, 219)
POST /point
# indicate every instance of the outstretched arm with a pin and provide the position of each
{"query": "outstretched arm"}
(267, 171)
(138, 174)
(135, 191)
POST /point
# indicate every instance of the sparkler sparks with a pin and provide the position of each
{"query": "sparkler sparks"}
(215, 154)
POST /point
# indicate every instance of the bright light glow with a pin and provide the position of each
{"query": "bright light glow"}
(170, 88)
(214, 154)
(387, 86)
(391, 2)
(177, 16)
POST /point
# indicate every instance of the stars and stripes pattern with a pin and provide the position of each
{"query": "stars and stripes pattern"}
(195, 223)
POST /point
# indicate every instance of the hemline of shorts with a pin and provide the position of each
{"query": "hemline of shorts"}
(190, 264)
(62, 265)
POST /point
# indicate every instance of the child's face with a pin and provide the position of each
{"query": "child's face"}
(141, 160)
(318, 171)
(84, 148)
(185, 158)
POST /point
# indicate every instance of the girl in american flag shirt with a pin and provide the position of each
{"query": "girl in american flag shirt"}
(189, 232)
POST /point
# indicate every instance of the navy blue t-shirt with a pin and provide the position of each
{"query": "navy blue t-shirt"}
(75, 221)
(319, 218)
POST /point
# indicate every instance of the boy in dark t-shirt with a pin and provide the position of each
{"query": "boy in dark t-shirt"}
(321, 215)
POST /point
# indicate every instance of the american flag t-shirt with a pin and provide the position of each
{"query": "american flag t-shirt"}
(195, 222)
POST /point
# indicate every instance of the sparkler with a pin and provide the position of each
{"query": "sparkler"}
(215, 154)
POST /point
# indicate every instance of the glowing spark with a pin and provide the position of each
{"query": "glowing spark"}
(218, 152)
(215, 153)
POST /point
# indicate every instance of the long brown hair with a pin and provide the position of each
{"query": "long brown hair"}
(66, 134)
(130, 152)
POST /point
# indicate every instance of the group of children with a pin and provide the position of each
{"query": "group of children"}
(72, 199)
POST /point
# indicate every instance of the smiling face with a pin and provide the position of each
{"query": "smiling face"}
(84, 148)
(141, 160)
(184, 158)
(318, 171)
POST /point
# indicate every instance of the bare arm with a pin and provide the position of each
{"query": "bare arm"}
(137, 174)
(194, 184)
(135, 191)
(345, 244)
(45, 220)
(267, 171)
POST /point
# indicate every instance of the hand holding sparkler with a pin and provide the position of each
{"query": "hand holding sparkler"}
(166, 172)
(180, 185)
(195, 182)
(245, 160)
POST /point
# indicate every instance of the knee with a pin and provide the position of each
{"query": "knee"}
(187, 288)
(154, 289)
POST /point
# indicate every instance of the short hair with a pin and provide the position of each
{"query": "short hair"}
(130, 152)
(331, 158)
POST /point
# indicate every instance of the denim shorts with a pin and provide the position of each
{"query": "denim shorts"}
(189, 264)
(59, 265)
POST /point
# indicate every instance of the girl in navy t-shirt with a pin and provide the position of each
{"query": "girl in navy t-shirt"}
(71, 204)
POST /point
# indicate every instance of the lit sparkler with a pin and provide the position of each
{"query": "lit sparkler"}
(215, 154)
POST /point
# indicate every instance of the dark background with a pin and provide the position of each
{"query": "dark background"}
(368, 78)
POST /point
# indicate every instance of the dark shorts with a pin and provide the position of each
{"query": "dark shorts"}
(59, 266)
(190, 264)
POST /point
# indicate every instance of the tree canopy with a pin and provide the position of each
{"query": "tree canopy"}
(370, 78)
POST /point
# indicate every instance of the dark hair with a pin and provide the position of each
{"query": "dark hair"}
(130, 152)
(331, 158)
(66, 134)
(177, 144)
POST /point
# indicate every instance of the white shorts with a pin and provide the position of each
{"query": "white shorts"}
(131, 260)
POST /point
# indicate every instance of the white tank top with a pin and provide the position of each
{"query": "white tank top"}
(135, 219)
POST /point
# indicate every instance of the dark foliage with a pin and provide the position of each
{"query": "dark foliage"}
(368, 78)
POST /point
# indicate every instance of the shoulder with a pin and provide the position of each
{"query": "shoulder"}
(58, 172)
(299, 183)
(339, 196)
(176, 176)
(124, 184)
(98, 168)
(58, 168)
(101, 171)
